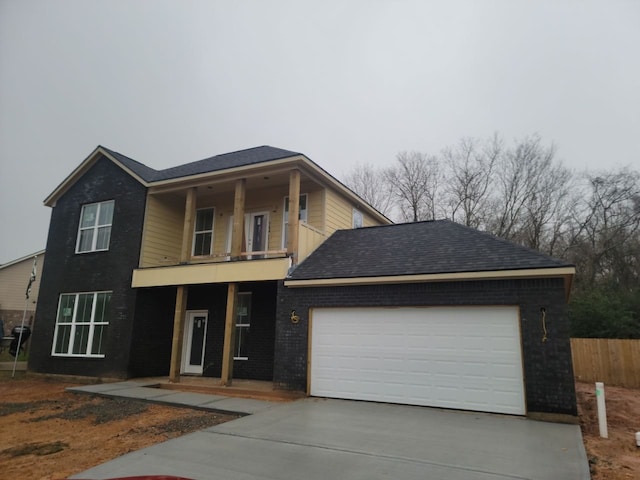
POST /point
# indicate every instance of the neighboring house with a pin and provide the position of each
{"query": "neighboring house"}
(199, 270)
(14, 279)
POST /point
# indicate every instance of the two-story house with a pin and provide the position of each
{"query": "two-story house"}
(177, 270)
(253, 265)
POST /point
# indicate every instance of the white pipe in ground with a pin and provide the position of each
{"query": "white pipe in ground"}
(602, 410)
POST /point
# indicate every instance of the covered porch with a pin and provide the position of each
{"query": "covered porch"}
(188, 332)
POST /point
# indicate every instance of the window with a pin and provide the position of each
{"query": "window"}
(94, 232)
(203, 234)
(243, 322)
(357, 218)
(81, 324)
(285, 218)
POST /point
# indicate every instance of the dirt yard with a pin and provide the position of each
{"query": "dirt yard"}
(47, 433)
(617, 457)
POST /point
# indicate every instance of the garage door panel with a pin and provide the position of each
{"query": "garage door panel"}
(467, 358)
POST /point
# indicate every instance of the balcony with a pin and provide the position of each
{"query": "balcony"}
(222, 268)
(222, 272)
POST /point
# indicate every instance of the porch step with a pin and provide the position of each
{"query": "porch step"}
(236, 391)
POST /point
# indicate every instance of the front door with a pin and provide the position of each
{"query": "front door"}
(195, 334)
(257, 229)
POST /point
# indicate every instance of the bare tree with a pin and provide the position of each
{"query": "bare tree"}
(546, 214)
(371, 184)
(605, 237)
(518, 179)
(470, 167)
(414, 180)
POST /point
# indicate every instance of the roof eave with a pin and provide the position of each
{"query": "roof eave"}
(566, 272)
(22, 259)
(294, 160)
(346, 191)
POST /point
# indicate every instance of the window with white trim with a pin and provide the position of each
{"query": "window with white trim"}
(358, 220)
(94, 231)
(285, 218)
(81, 324)
(203, 233)
(243, 324)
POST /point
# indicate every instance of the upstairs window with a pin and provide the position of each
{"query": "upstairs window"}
(285, 218)
(203, 234)
(81, 324)
(94, 232)
(358, 220)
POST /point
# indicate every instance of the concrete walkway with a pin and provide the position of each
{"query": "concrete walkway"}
(319, 439)
(202, 401)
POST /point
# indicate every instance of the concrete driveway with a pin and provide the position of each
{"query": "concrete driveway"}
(338, 439)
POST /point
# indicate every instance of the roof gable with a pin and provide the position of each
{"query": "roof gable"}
(421, 248)
(148, 176)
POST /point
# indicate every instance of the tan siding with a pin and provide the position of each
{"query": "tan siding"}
(369, 221)
(314, 209)
(224, 210)
(162, 231)
(275, 228)
(310, 238)
(13, 284)
(338, 213)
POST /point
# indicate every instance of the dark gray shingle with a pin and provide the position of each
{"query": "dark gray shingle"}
(431, 247)
(219, 162)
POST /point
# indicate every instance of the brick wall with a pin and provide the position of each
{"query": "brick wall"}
(548, 373)
(213, 298)
(261, 337)
(152, 332)
(64, 271)
(13, 318)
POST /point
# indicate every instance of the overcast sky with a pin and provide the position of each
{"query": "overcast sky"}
(344, 82)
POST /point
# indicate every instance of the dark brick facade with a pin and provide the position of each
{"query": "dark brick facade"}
(64, 271)
(260, 347)
(548, 371)
(153, 330)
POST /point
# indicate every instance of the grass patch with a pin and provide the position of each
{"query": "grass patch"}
(6, 357)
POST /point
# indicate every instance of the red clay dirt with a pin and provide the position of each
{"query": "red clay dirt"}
(48, 433)
(618, 457)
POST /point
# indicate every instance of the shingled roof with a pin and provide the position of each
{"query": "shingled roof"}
(432, 247)
(225, 161)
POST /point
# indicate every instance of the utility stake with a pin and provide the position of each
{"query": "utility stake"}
(602, 410)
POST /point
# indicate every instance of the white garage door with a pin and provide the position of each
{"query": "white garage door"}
(453, 357)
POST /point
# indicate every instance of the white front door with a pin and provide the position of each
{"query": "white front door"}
(195, 334)
(257, 232)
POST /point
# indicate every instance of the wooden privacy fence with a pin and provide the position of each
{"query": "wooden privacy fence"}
(612, 361)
